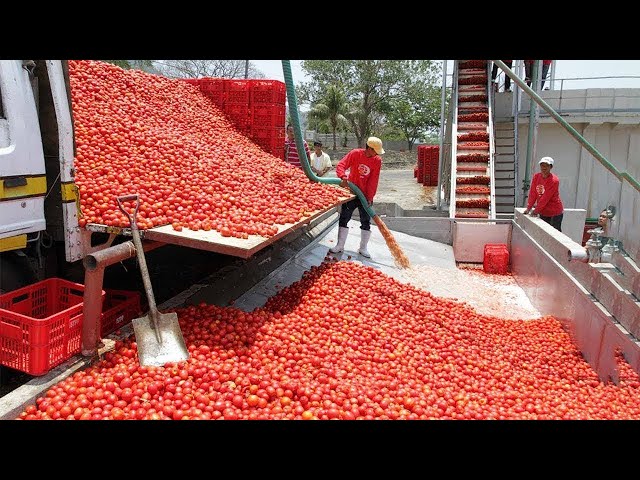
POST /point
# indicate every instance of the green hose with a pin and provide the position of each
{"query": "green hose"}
(295, 120)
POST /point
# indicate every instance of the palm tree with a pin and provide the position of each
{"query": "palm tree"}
(331, 109)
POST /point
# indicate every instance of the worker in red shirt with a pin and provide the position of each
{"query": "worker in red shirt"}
(545, 195)
(364, 171)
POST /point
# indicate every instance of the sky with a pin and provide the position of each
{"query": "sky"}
(564, 69)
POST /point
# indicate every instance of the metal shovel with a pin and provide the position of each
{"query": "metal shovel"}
(158, 335)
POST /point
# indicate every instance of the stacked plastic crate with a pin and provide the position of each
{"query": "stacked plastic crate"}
(427, 170)
(214, 88)
(237, 104)
(268, 113)
(257, 108)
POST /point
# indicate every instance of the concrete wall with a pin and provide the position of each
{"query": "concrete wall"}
(609, 119)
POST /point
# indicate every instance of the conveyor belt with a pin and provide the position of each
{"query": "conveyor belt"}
(472, 178)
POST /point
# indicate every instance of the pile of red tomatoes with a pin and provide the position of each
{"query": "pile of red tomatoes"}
(166, 141)
(348, 342)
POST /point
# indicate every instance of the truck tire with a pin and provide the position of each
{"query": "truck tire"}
(15, 272)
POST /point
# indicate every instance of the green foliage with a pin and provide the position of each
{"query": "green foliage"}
(329, 112)
(415, 110)
(377, 93)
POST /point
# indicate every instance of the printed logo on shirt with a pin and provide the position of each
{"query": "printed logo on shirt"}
(540, 189)
(363, 170)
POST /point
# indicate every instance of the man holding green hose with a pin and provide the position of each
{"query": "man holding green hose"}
(364, 171)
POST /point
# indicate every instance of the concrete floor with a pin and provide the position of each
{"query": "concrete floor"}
(399, 186)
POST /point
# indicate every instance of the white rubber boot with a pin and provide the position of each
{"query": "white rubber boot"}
(342, 238)
(365, 235)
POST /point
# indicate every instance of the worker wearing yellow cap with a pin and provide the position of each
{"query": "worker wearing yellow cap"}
(364, 171)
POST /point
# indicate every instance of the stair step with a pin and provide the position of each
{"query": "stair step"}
(502, 167)
(499, 183)
(504, 175)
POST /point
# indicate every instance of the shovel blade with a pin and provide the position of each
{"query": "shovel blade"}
(152, 352)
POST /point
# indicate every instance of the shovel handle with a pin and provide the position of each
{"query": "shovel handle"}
(128, 198)
(142, 262)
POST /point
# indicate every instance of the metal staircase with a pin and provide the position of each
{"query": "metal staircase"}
(505, 168)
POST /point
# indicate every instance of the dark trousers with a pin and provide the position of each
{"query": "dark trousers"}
(507, 78)
(528, 67)
(555, 221)
(347, 211)
(545, 70)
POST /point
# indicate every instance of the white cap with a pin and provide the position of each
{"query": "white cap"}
(376, 144)
(548, 160)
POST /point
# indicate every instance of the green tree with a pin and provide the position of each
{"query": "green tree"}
(369, 86)
(415, 110)
(331, 109)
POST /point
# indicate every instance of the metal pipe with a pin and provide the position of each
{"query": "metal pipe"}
(443, 102)
(619, 175)
(578, 255)
(91, 311)
(515, 111)
(94, 265)
(530, 137)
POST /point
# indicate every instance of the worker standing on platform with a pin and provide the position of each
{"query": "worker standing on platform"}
(545, 195)
(364, 171)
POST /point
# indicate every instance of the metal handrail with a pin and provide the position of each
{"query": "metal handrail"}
(574, 133)
(454, 142)
(492, 148)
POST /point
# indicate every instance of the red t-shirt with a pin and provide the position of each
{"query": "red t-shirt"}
(364, 171)
(545, 195)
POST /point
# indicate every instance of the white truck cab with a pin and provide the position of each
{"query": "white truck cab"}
(38, 197)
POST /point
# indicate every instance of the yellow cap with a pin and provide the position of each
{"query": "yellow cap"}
(376, 144)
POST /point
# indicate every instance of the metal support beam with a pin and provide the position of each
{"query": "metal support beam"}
(443, 102)
(94, 265)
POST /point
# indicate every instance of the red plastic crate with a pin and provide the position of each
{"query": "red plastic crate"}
(41, 325)
(118, 309)
(217, 98)
(212, 84)
(266, 133)
(496, 258)
(238, 91)
(274, 146)
(268, 109)
(268, 91)
(269, 120)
